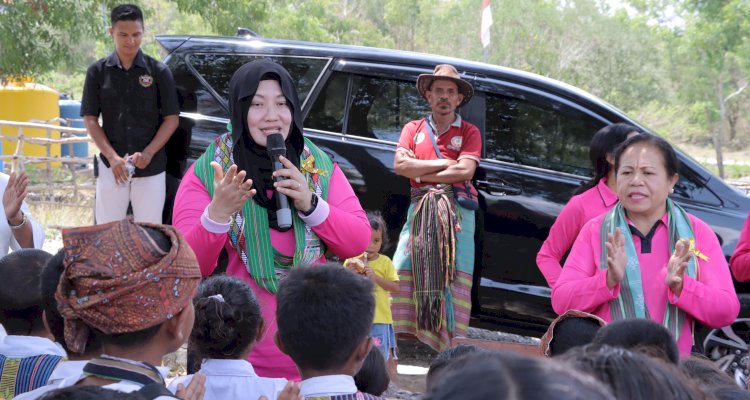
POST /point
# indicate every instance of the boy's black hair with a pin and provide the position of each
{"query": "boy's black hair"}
(378, 223)
(373, 378)
(50, 278)
(507, 375)
(323, 313)
(126, 12)
(129, 339)
(225, 328)
(640, 335)
(20, 299)
(572, 332)
(703, 371)
(446, 357)
(89, 392)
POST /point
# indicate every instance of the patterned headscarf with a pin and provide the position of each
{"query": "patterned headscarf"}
(118, 280)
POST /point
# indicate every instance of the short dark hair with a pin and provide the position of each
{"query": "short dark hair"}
(378, 223)
(705, 372)
(513, 376)
(572, 332)
(49, 280)
(323, 313)
(605, 142)
(129, 339)
(640, 335)
(20, 299)
(671, 162)
(446, 357)
(373, 378)
(645, 377)
(125, 12)
(224, 329)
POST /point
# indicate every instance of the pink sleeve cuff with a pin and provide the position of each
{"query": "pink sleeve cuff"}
(319, 214)
(213, 226)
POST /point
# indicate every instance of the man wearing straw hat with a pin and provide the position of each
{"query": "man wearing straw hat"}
(435, 253)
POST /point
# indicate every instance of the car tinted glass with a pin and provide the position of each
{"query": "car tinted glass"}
(193, 96)
(378, 107)
(540, 133)
(217, 70)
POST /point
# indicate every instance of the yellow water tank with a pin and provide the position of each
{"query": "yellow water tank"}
(23, 102)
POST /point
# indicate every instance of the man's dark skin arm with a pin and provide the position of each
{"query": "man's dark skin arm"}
(407, 165)
(143, 158)
(116, 163)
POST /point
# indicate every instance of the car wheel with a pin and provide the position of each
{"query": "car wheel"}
(727, 348)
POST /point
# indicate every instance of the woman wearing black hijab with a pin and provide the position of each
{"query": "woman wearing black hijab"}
(226, 200)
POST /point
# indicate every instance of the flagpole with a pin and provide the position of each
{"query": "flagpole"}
(484, 29)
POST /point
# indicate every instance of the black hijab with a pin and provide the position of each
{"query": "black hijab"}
(248, 155)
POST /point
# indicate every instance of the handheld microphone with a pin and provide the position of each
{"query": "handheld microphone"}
(276, 147)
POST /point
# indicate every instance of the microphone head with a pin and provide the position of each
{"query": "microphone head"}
(275, 145)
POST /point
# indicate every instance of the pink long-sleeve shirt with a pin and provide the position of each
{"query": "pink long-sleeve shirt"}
(740, 261)
(710, 298)
(579, 210)
(340, 223)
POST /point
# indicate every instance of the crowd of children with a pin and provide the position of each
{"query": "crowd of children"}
(119, 297)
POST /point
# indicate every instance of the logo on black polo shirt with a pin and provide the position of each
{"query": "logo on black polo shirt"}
(145, 80)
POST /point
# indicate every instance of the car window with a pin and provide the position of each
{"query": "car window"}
(194, 97)
(540, 133)
(217, 70)
(377, 107)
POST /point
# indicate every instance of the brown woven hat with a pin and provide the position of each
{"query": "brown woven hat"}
(449, 72)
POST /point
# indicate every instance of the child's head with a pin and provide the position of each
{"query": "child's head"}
(324, 314)
(572, 329)
(130, 283)
(50, 278)
(446, 357)
(227, 319)
(373, 378)
(20, 301)
(379, 237)
(641, 335)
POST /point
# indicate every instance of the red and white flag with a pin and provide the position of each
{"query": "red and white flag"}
(484, 33)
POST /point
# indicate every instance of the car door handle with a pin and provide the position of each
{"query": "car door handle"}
(498, 188)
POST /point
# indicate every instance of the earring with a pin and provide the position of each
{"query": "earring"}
(671, 191)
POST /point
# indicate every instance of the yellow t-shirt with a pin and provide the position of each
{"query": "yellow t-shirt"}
(383, 267)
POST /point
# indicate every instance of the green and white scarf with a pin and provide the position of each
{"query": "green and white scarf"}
(249, 230)
(630, 302)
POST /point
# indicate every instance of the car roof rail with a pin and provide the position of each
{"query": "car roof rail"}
(244, 32)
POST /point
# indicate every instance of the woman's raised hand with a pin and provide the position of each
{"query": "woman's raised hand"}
(676, 267)
(14, 194)
(617, 259)
(294, 186)
(231, 191)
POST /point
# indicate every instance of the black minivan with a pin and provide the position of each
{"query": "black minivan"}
(536, 135)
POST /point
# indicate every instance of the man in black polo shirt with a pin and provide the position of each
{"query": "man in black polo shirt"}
(136, 97)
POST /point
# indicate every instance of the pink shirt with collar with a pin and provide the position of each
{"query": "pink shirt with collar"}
(710, 299)
(340, 223)
(579, 210)
(740, 261)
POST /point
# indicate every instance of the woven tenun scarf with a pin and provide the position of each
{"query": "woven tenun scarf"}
(249, 231)
(630, 302)
(433, 251)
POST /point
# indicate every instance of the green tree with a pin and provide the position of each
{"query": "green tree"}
(36, 35)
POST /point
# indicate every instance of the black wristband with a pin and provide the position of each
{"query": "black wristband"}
(313, 204)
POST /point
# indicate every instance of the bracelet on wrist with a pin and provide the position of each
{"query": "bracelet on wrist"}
(19, 226)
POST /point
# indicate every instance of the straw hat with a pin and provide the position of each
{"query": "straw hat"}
(448, 72)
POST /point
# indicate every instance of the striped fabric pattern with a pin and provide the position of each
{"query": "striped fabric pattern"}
(456, 310)
(21, 375)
